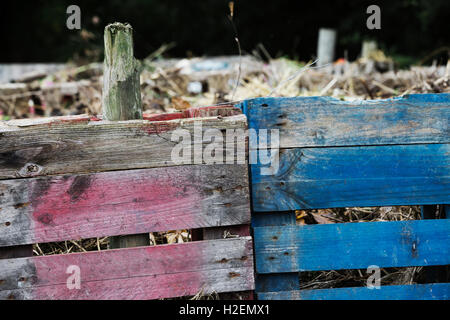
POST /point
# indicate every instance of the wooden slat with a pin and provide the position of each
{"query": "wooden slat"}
(79, 145)
(325, 121)
(229, 232)
(437, 291)
(352, 245)
(269, 219)
(134, 273)
(196, 112)
(67, 207)
(275, 281)
(310, 178)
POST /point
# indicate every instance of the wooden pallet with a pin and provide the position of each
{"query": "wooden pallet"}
(334, 154)
(70, 178)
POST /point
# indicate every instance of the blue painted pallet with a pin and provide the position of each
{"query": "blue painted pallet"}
(352, 245)
(437, 291)
(354, 176)
(338, 154)
(325, 121)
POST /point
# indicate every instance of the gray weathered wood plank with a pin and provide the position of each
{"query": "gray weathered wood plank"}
(59, 147)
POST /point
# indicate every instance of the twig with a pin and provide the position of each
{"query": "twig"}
(80, 247)
(328, 87)
(384, 87)
(303, 69)
(236, 38)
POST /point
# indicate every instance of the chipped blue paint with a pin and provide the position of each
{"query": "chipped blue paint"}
(337, 153)
(325, 121)
(437, 291)
(310, 178)
(352, 245)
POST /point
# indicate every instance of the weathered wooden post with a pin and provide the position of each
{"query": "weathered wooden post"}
(121, 96)
(121, 88)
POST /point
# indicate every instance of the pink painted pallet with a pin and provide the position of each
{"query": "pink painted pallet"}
(70, 178)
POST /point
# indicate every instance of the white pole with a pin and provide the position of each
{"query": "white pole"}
(325, 46)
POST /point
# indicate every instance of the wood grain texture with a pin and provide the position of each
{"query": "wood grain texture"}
(196, 112)
(310, 178)
(56, 146)
(275, 281)
(325, 121)
(134, 273)
(229, 232)
(121, 95)
(352, 245)
(437, 291)
(67, 207)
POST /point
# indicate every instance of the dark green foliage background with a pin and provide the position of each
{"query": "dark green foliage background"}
(35, 31)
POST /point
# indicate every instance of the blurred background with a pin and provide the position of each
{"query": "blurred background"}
(197, 53)
(411, 30)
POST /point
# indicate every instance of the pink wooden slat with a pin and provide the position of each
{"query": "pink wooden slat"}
(122, 202)
(134, 273)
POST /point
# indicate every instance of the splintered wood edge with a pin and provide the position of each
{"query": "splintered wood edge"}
(18, 124)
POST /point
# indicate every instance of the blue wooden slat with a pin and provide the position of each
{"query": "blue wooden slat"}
(437, 291)
(352, 245)
(269, 219)
(325, 121)
(310, 178)
(272, 282)
(275, 281)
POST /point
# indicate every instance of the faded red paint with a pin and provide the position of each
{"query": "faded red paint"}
(212, 111)
(135, 273)
(95, 118)
(160, 127)
(113, 203)
(163, 116)
(197, 112)
(141, 288)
